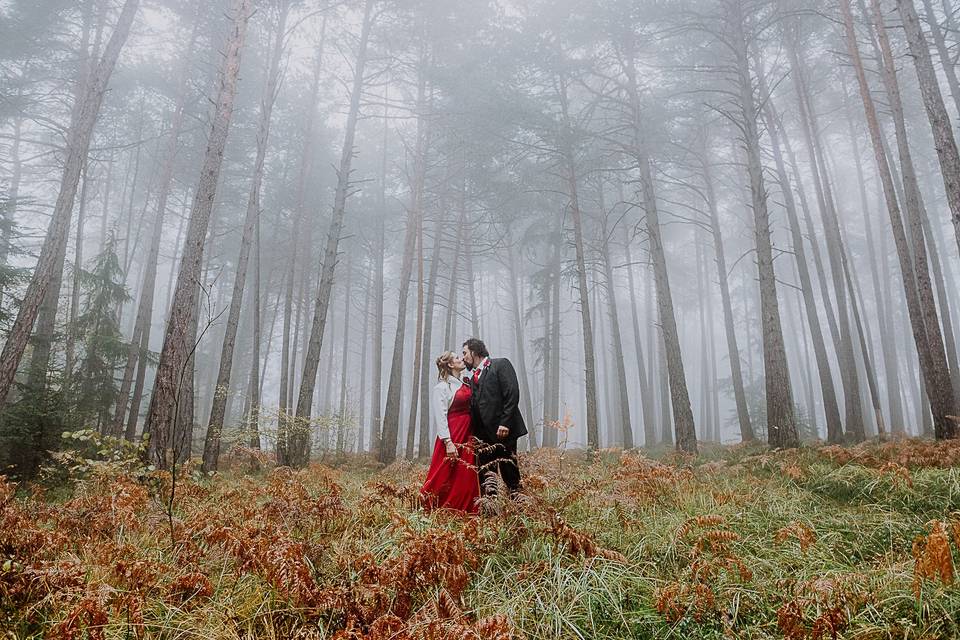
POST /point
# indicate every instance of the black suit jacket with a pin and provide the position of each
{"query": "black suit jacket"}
(495, 402)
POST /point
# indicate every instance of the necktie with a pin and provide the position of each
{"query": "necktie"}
(476, 376)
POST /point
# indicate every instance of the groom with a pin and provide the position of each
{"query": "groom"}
(497, 422)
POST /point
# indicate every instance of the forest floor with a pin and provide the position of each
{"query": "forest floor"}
(740, 542)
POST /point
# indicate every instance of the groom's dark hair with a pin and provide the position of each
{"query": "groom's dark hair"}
(476, 346)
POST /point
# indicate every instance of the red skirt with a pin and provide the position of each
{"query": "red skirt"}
(453, 483)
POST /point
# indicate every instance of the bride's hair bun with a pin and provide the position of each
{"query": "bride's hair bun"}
(444, 364)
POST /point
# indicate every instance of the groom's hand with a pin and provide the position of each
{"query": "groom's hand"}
(502, 432)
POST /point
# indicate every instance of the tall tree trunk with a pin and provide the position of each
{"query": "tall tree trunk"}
(140, 341)
(733, 349)
(82, 122)
(552, 361)
(71, 336)
(918, 224)
(176, 350)
(298, 228)
(416, 374)
(364, 358)
(391, 412)
(884, 320)
(253, 415)
(376, 396)
(946, 63)
(626, 424)
(345, 357)
(933, 360)
(590, 366)
(423, 445)
(299, 444)
(845, 352)
(672, 357)
(781, 422)
(831, 408)
(944, 141)
(646, 393)
(221, 392)
(518, 330)
(470, 274)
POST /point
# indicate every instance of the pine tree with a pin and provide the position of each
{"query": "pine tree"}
(95, 387)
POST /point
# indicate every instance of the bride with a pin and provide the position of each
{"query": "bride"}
(452, 481)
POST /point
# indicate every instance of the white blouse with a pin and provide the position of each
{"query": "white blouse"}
(440, 400)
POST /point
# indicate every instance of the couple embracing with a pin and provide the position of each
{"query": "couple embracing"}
(478, 422)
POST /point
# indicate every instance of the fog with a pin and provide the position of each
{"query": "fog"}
(255, 224)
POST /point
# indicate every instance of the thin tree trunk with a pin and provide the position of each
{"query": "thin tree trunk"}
(733, 349)
(845, 353)
(70, 356)
(418, 341)
(253, 416)
(518, 330)
(345, 357)
(626, 424)
(8, 209)
(376, 396)
(364, 357)
(423, 446)
(646, 393)
(590, 375)
(391, 413)
(299, 452)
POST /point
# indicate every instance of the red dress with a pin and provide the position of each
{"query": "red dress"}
(453, 483)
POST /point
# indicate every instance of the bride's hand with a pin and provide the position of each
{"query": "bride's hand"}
(451, 450)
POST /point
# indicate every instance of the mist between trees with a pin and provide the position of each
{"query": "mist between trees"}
(257, 223)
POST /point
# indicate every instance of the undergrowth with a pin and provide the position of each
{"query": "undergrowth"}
(821, 542)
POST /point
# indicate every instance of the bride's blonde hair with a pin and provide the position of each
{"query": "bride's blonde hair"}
(445, 364)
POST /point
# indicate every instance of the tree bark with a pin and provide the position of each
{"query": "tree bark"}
(943, 139)
(221, 392)
(831, 407)
(932, 359)
(176, 350)
(781, 422)
(71, 342)
(345, 358)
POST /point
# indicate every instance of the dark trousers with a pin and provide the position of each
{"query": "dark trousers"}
(498, 458)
